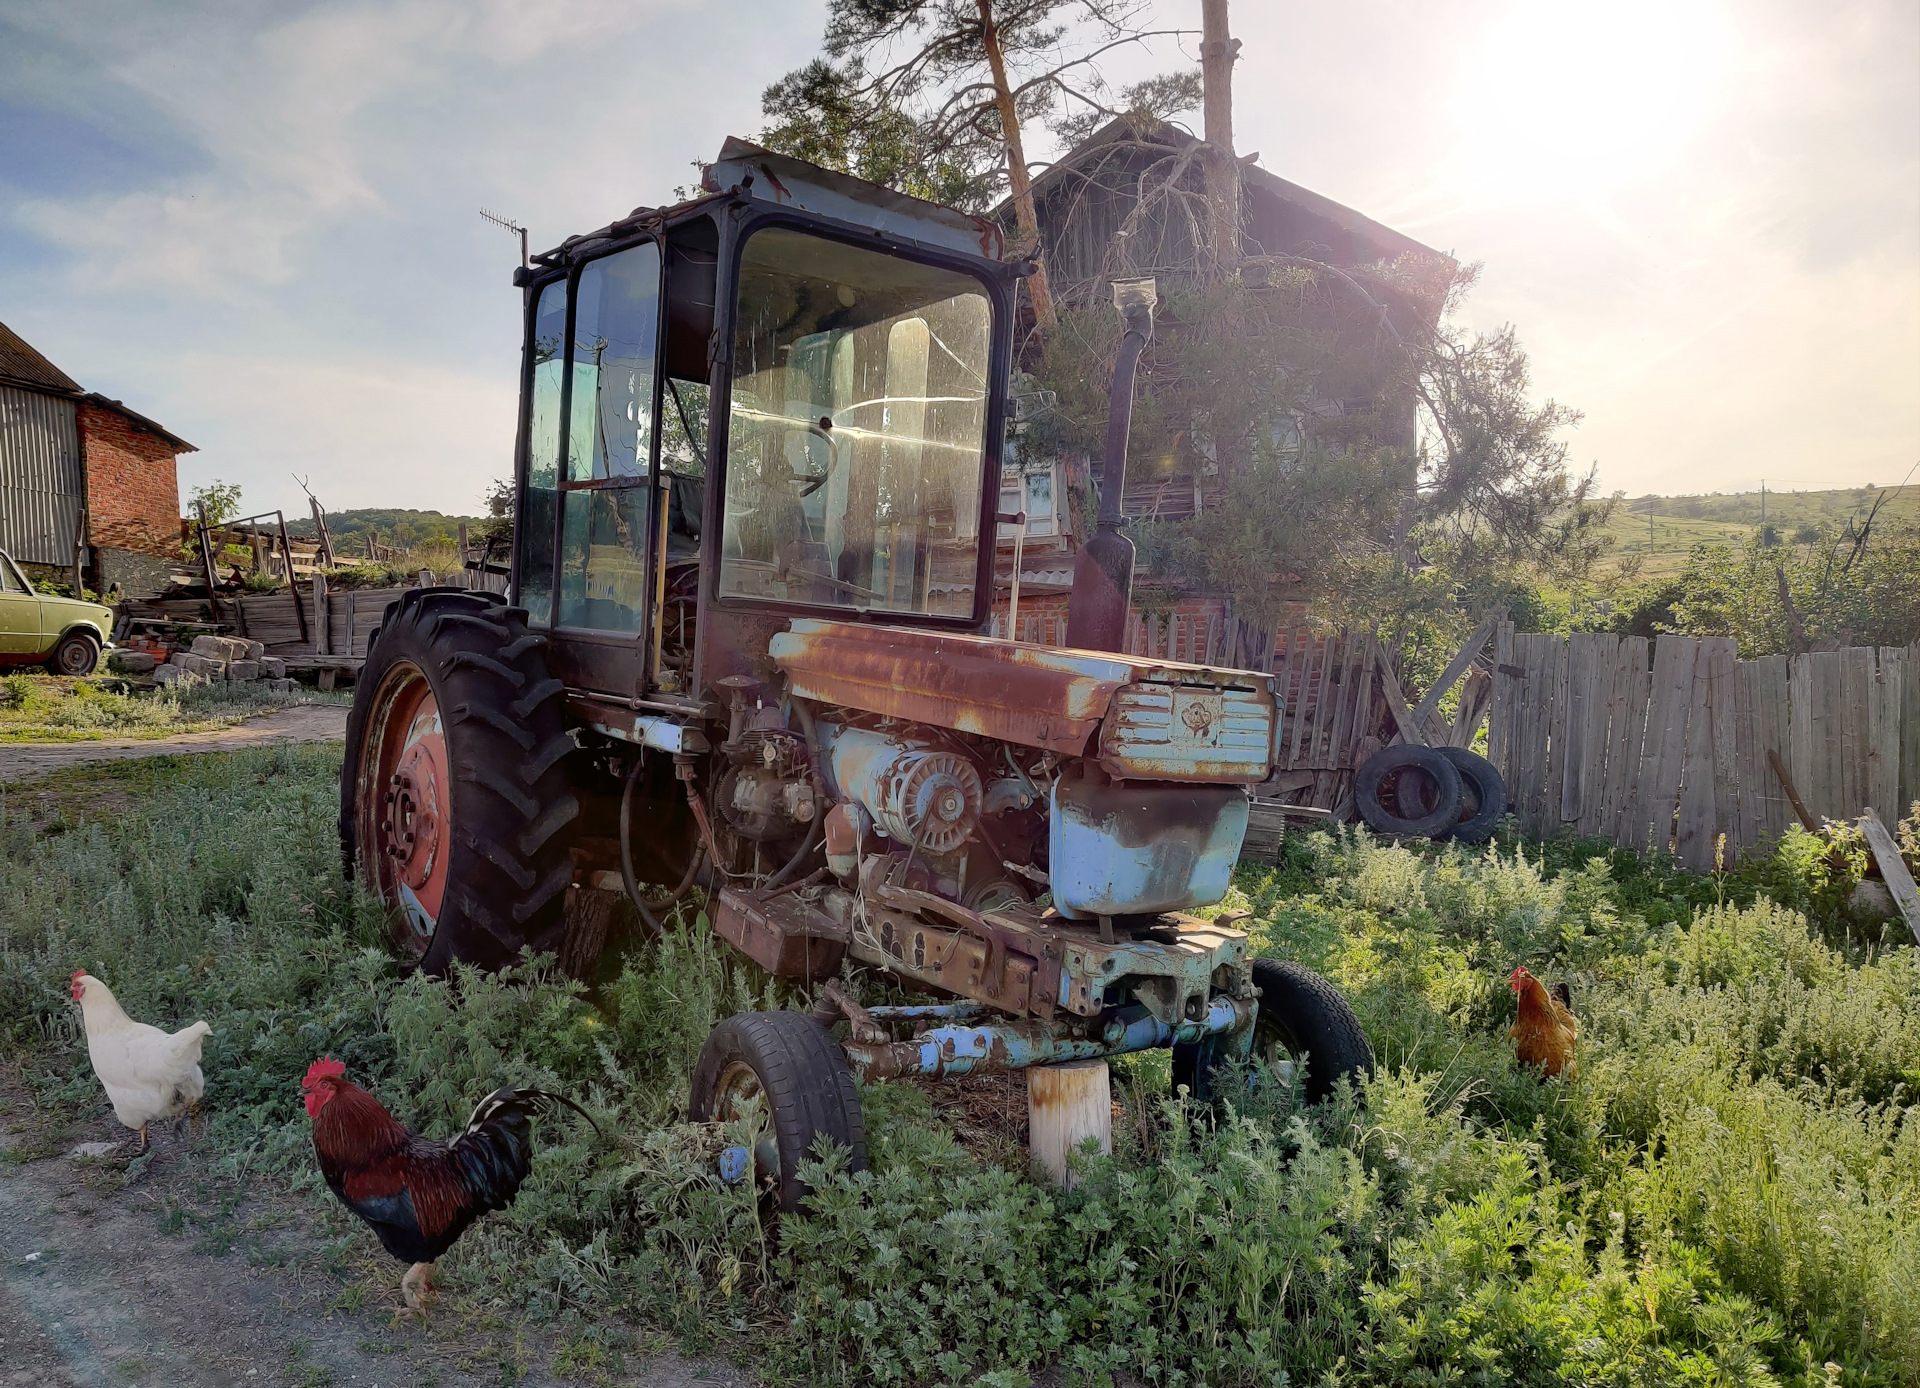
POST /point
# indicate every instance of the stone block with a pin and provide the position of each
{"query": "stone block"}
(242, 671)
(255, 649)
(206, 667)
(272, 667)
(222, 648)
(168, 674)
(282, 685)
(132, 662)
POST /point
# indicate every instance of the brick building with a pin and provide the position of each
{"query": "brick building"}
(82, 476)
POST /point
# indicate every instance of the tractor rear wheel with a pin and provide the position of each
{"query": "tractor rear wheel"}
(455, 795)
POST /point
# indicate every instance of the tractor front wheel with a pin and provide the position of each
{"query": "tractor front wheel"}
(455, 795)
(1302, 1020)
(785, 1076)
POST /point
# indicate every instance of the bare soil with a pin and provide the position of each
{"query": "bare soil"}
(301, 723)
(159, 1272)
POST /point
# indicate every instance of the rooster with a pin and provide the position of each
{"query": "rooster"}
(148, 1075)
(419, 1195)
(1544, 1032)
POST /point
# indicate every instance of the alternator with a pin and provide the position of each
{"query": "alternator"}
(919, 795)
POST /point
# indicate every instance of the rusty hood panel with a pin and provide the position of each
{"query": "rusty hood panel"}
(1037, 696)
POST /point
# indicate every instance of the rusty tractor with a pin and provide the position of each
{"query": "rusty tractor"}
(758, 469)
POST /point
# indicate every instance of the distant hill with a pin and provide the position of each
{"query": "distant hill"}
(1662, 530)
(400, 528)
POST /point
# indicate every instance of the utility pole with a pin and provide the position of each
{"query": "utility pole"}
(1218, 52)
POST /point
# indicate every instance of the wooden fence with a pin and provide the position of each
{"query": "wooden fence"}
(1691, 750)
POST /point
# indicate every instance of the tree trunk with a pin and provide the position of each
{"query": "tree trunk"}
(1017, 180)
(1218, 52)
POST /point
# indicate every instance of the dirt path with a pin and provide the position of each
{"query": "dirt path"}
(301, 723)
(105, 1281)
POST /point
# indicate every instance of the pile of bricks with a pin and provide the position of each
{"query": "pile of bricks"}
(213, 660)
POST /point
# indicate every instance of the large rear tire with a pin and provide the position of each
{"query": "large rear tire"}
(455, 798)
(782, 1072)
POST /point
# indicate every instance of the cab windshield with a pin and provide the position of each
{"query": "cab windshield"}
(857, 429)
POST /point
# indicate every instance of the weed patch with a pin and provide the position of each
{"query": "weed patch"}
(1728, 1193)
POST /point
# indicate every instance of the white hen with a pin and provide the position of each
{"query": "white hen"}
(148, 1075)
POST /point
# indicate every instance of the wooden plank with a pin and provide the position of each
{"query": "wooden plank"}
(1823, 740)
(1602, 708)
(1771, 720)
(1799, 748)
(1549, 655)
(1749, 766)
(1857, 673)
(1558, 741)
(1800, 810)
(1626, 729)
(1570, 726)
(1506, 693)
(1455, 668)
(1694, 832)
(1303, 700)
(1722, 677)
(1893, 870)
(1529, 687)
(1397, 702)
(1657, 792)
(1910, 732)
(1883, 736)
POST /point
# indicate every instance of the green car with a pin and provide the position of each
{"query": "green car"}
(63, 634)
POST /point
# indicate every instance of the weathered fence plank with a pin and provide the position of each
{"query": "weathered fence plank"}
(1883, 736)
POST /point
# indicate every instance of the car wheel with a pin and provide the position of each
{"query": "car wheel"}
(76, 654)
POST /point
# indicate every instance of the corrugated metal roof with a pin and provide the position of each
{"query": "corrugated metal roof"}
(22, 365)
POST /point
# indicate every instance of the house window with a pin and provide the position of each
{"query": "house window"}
(1033, 492)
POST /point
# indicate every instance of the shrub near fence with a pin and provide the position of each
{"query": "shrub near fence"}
(1671, 753)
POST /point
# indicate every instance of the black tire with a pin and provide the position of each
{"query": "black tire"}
(806, 1088)
(1483, 796)
(1375, 792)
(507, 801)
(1302, 1018)
(76, 654)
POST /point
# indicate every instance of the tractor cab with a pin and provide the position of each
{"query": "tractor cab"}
(782, 399)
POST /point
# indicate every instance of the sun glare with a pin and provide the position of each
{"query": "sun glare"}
(1580, 97)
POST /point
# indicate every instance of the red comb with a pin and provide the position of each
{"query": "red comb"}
(77, 974)
(325, 1068)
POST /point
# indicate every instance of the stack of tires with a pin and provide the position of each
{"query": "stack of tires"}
(1430, 793)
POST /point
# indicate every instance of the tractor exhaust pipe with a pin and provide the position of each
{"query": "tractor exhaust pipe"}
(1102, 593)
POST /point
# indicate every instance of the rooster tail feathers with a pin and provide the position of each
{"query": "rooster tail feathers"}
(540, 1100)
(189, 1038)
(529, 1101)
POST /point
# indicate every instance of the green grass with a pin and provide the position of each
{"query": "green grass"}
(1661, 531)
(48, 708)
(1727, 1193)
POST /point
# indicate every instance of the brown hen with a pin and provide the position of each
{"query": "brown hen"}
(1546, 1029)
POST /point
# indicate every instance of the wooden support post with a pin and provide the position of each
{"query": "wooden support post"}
(1066, 1105)
(1793, 796)
(322, 631)
(1397, 702)
(1893, 871)
(1468, 654)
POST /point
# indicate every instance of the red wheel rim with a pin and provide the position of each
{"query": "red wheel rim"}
(405, 805)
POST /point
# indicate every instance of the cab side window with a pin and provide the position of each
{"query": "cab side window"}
(611, 424)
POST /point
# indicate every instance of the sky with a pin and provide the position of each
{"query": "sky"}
(258, 222)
